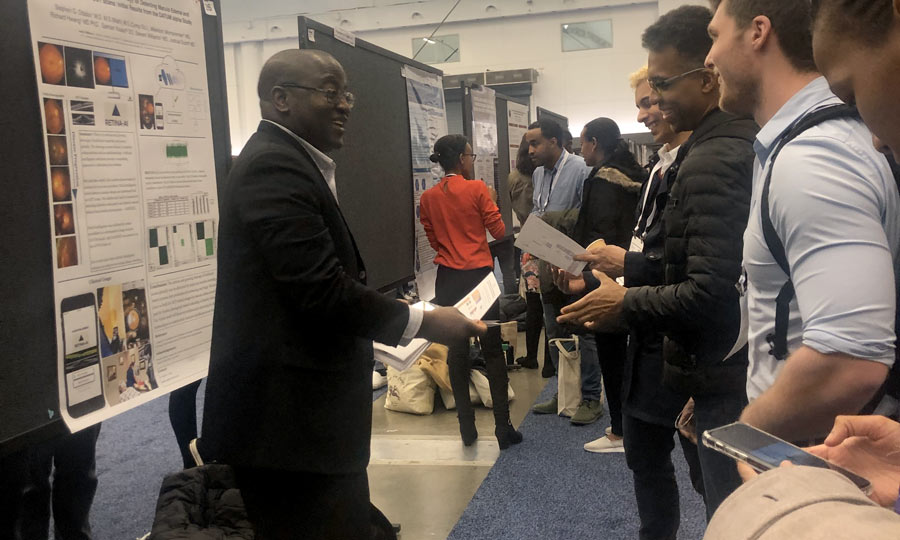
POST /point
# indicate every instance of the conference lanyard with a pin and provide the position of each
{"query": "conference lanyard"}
(546, 203)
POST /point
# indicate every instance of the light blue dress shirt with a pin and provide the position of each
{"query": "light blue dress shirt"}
(559, 188)
(834, 204)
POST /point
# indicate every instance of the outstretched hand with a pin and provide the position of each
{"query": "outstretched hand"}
(608, 259)
(870, 447)
(600, 309)
(447, 325)
(566, 282)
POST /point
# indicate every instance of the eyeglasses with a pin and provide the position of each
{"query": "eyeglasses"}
(332, 96)
(661, 85)
(474, 156)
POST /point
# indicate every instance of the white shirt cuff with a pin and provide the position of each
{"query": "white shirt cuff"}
(412, 326)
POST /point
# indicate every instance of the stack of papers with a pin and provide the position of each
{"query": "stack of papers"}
(402, 357)
(474, 306)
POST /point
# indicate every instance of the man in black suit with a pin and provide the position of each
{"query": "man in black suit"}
(289, 396)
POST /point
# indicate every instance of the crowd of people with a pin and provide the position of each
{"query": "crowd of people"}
(747, 273)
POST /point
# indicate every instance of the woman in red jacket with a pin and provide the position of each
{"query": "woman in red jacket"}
(456, 213)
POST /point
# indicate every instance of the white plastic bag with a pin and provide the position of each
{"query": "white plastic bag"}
(483, 387)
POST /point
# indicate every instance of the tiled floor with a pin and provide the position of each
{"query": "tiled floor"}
(421, 475)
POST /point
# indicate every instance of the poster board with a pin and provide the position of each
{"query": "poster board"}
(88, 90)
(543, 113)
(498, 159)
(427, 124)
(374, 168)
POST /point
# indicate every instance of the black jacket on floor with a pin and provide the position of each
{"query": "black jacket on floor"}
(698, 307)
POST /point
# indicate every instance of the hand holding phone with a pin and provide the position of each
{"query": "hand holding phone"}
(870, 446)
(763, 451)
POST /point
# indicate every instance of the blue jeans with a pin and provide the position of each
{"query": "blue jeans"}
(720, 476)
(591, 380)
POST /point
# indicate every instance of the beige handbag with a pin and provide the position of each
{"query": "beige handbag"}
(409, 391)
(569, 375)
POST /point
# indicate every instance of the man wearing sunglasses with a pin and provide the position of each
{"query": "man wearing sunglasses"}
(289, 396)
(697, 309)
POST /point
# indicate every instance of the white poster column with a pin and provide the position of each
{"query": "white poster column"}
(427, 124)
(485, 136)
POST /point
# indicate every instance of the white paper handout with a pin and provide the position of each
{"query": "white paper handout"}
(479, 301)
(474, 306)
(548, 244)
(402, 357)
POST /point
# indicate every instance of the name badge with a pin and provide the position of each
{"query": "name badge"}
(636, 244)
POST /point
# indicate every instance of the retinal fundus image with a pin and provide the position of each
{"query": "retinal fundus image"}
(66, 252)
(145, 103)
(60, 184)
(64, 219)
(110, 70)
(56, 120)
(53, 65)
(79, 68)
(58, 150)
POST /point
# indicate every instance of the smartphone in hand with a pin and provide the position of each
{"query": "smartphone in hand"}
(763, 451)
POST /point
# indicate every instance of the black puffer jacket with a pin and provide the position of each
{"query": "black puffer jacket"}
(607, 206)
(203, 503)
(698, 307)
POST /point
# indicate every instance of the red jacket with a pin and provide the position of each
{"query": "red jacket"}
(455, 214)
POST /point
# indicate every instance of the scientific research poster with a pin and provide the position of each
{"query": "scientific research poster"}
(427, 124)
(484, 133)
(132, 196)
(484, 136)
(517, 122)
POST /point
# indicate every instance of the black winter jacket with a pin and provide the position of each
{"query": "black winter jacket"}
(698, 307)
(607, 208)
(202, 503)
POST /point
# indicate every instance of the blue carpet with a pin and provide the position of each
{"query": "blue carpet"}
(134, 452)
(548, 487)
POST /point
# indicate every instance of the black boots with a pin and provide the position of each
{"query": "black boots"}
(467, 429)
(507, 435)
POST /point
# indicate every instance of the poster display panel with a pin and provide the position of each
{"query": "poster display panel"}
(517, 120)
(132, 198)
(427, 124)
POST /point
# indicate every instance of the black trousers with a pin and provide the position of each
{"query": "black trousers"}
(505, 253)
(611, 350)
(286, 505)
(28, 493)
(648, 449)
(183, 417)
(451, 286)
(534, 323)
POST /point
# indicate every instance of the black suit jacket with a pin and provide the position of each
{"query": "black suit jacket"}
(291, 359)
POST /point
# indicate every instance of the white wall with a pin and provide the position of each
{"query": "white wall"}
(581, 85)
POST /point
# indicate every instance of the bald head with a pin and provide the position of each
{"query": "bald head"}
(293, 65)
(291, 89)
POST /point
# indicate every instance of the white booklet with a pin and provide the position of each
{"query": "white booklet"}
(474, 306)
(548, 244)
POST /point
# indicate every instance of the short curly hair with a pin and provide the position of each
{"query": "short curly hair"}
(685, 29)
(867, 20)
